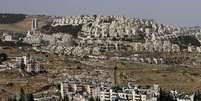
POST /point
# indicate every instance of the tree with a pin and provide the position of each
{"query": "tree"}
(22, 95)
(3, 57)
(165, 96)
(97, 98)
(197, 96)
(91, 99)
(66, 98)
(184, 41)
(25, 97)
(95, 16)
(29, 97)
(12, 98)
(70, 29)
(11, 18)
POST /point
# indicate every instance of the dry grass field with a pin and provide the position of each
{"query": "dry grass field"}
(167, 76)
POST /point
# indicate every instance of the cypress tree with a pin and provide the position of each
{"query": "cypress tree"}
(97, 98)
(22, 95)
(91, 99)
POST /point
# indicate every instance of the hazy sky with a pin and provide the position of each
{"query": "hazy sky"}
(176, 12)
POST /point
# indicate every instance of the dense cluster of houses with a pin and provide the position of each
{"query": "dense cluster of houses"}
(27, 63)
(11, 37)
(181, 96)
(84, 91)
(108, 34)
(101, 34)
(80, 91)
(117, 33)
